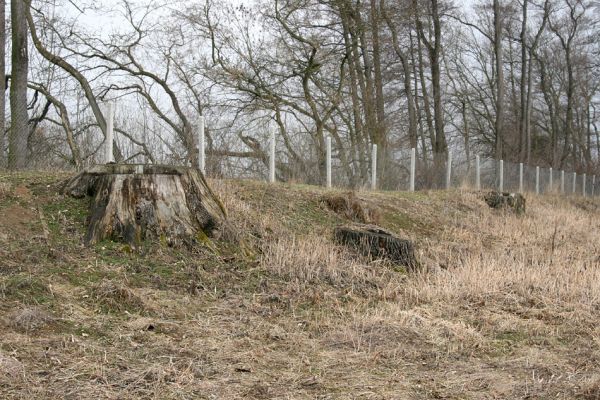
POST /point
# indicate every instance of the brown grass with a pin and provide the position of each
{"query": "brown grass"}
(508, 307)
(116, 296)
(29, 319)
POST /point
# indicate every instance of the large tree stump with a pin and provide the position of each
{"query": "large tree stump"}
(132, 203)
(372, 241)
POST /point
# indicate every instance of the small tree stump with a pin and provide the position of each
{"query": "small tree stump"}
(372, 241)
(132, 203)
(507, 201)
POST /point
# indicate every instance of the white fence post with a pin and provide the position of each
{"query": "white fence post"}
(449, 171)
(501, 183)
(537, 180)
(272, 158)
(550, 182)
(413, 165)
(374, 168)
(201, 146)
(328, 162)
(584, 182)
(562, 181)
(520, 177)
(108, 141)
(477, 173)
(574, 182)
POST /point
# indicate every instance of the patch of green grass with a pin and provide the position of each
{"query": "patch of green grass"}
(511, 336)
(504, 342)
(394, 219)
(76, 328)
(65, 218)
(81, 275)
(26, 288)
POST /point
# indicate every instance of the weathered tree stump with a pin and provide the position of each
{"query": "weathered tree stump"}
(132, 203)
(507, 201)
(372, 241)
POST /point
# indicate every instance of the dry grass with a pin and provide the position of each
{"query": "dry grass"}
(117, 297)
(508, 308)
(29, 319)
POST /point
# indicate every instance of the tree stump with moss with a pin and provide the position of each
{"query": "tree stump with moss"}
(132, 203)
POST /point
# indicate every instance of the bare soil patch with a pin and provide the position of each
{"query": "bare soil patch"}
(18, 221)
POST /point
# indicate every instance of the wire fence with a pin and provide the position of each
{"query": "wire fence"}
(406, 172)
(403, 169)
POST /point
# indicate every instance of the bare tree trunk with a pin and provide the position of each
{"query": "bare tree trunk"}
(425, 94)
(359, 150)
(406, 69)
(2, 81)
(499, 124)
(545, 87)
(418, 114)
(61, 109)
(378, 83)
(440, 146)
(365, 92)
(523, 110)
(466, 128)
(17, 152)
(369, 84)
(528, 102)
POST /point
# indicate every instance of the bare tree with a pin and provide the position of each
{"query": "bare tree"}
(17, 154)
(434, 48)
(499, 124)
(27, 19)
(2, 81)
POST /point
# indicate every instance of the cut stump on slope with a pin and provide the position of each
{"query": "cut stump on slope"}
(506, 201)
(377, 243)
(132, 203)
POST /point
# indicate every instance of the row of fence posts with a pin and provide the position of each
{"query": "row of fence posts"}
(201, 140)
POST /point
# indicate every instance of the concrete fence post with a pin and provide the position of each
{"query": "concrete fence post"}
(413, 166)
(272, 158)
(374, 168)
(201, 146)
(583, 184)
(537, 180)
(521, 178)
(501, 177)
(449, 171)
(550, 181)
(562, 181)
(108, 141)
(574, 182)
(477, 173)
(328, 162)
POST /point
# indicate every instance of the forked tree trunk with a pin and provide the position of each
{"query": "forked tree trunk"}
(133, 203)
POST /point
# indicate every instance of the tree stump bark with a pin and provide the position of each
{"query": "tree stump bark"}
(507, 201)
(132, 203)
(372, 241)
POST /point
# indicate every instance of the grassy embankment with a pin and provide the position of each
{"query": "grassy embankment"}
(507, 307)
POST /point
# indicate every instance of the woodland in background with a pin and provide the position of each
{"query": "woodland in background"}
(513, 80)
